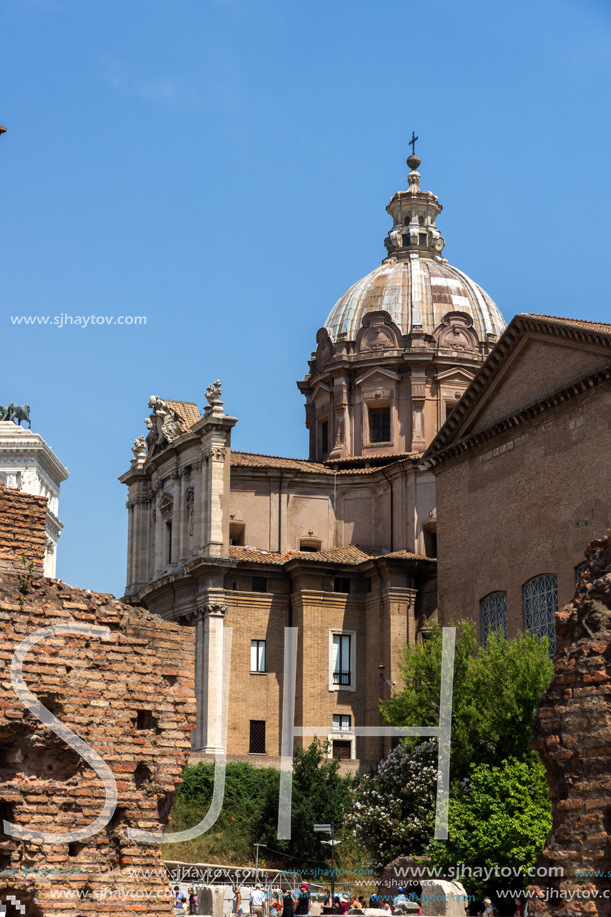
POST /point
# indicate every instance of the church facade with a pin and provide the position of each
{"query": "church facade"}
(341, 546)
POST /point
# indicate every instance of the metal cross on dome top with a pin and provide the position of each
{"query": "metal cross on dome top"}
(412, 143)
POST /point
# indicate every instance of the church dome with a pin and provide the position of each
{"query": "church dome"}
(416, 293)
(414, 284)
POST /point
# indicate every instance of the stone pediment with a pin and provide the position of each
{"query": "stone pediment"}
(455, 376)
(537, 357)
(378, 372)
(536, 369)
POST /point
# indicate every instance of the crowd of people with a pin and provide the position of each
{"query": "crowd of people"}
(286, 903)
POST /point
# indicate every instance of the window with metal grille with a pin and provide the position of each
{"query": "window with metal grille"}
(540, 605)
(341, 659)
(341, 584)
(259, 584)
(578, 571)
(324, 437)
(257, 737)
(493, 609)
(257, 655)
(341, 721)
(379, 425)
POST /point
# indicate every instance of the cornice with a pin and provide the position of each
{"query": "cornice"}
(519, 325)
(506, 424)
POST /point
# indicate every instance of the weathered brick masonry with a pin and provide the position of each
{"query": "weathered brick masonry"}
(573, 737)
(130, 696)
(22, 529)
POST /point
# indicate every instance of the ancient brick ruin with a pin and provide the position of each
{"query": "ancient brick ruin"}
(129, 695)
(573, 737)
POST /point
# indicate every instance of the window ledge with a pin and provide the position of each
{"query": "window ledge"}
(258, 754)
(259, 673)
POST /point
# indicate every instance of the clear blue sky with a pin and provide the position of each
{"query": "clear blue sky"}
(223, 166)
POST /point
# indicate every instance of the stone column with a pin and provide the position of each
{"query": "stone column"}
(209, 676)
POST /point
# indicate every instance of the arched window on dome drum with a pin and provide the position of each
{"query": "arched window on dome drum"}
(540, 596)
(421, 221)
(407, 220)
(493, 608)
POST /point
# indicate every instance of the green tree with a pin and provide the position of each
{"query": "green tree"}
(496, 691)
(320, 795)
(499, 820)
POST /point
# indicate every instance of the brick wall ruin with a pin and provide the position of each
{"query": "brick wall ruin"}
(130, 696)
(573, 738)
(22, 529)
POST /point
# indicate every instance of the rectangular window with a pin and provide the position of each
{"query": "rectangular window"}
(341, 584)
(259, 584)
(257, 737)
(236, 533)
(493, 609)
(257, 655)
(341, 748)
(168, 535)
(341, 721)
(405, 239)
(422, 238)
(341, 659)
(324, 437)
(379, 425)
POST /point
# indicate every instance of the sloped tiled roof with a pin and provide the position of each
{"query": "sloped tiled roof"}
(601, 327)
(187, 411)
(352, 554)
(253, 460)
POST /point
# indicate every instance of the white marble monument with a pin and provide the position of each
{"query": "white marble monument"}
(27, 463)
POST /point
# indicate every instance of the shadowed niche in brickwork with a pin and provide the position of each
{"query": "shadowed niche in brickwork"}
(573, 737)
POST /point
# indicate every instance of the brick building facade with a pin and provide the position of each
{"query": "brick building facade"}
(522, 470)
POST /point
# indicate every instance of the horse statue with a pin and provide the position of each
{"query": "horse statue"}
(16, 412)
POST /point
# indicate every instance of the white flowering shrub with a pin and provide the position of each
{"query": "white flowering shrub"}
(393, 811)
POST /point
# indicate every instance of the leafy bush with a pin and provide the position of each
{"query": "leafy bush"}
(500, 817)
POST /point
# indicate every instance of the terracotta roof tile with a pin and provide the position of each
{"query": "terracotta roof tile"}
(255, 460)
(601, 327)
(352, 554)
(187, 411)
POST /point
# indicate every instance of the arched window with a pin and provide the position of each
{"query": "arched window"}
(493, 609)
(540, 606)
(421, 221)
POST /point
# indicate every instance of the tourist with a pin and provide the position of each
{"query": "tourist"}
(256, 902)
(304, 903)
(237, 902)
(193, 908)
(344, 904)
(274, 905)
(288, 903)
(400, 897)
(180, 903)
(519, 911)
(386, 906)
(373, 901)
(489, 909)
